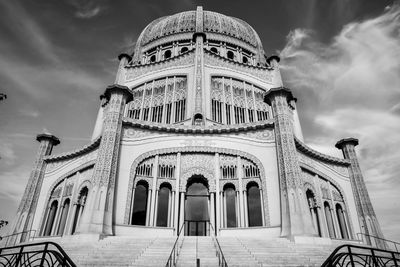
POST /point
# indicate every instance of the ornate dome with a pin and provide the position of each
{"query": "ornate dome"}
(216, 26)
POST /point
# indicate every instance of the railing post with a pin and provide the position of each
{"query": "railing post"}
(374, 258)
(351, 256)
(19, 256)
(44, 254)
(394, 260)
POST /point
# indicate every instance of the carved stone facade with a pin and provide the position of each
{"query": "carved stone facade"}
(197, 105)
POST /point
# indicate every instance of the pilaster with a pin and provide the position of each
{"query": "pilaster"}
(27, 207)
(368, 222)
(98, 214)
(295, 216)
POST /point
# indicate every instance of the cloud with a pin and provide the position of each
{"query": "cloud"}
(86, 9)
(27, 30)
(355, 80)
(7, 154)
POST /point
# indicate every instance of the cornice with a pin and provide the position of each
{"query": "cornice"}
(72, 154)
(190, 129)
(318, 155)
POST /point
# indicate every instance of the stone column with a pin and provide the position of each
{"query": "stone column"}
(121, 72)
(98, 214)
(28, 204)
(295, 218)
(246, 213)
(154, 196)
(177, 187)
(98, 127)
(148, 207)
(364, 207)
(199, 37)
(217, 193)
(181, 211)
(240, 189)
(212, 212)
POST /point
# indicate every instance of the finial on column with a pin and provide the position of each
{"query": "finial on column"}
(343, 142)
(46, 136)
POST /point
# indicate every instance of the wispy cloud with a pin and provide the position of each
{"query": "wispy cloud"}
(356, 78)
(7, 154)
(86, 9)
(27, 30)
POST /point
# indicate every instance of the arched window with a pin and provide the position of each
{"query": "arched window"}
(153, 58)
(245, 60)
(164, 203)
(341, 221)
(167, 54)
(140, 204)
(214, 50)
(312, 203)
(254, 204)
(230, 204)
(230, 55)
(50, 218)
(329, 220)
(80, 205)
(184, 49)
(64, 216)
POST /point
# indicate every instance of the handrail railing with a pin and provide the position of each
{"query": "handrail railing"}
(385, 241)
(14, 240)
(220, 254)
(35, 254)
(352, 255)
(173, 256)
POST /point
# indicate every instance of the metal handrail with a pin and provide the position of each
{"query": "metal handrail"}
(352, 255)
(35, 254)
(379, 238)
(221, 258)
(174, 252)
(17, 234)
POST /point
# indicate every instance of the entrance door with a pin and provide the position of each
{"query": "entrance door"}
(196, 208)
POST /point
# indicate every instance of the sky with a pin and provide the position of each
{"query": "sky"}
(339, 57)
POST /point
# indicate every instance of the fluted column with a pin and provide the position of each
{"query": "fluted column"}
(98, 214)
(364, 207)
(28, 204)
(217, 193)
(295, 218)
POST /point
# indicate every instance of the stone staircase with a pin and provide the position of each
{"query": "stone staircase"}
(118, 251)
(154, 251)
(197, 247)
(250, 251)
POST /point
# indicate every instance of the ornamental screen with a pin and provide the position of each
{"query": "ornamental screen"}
(234, 101)
(161, 101)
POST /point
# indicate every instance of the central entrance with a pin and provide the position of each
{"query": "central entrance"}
(197, 216)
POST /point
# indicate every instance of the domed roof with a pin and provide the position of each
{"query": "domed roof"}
(189, 21)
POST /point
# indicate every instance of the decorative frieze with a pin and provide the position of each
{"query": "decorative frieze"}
(136, 71)
(266, 75)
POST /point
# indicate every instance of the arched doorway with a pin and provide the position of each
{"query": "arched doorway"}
(197, 215)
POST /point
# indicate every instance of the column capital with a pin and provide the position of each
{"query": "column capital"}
(279, 91)
(46, 136)
(124, 55)
(117, 88)
(346, 141)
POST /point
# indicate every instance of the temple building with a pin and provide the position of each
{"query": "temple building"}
(197, 135)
